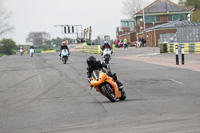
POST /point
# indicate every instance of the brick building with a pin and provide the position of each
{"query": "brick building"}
(126, 30)
(149, 22)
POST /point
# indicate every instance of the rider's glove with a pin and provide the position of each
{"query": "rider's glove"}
(89, 80)
(91, 87)
(109, 73)
(111, 52)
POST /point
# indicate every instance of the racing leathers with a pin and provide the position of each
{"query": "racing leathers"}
(64, 47)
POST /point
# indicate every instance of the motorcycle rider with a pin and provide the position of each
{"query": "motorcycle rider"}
(106, 44)
(64, 46)
(31, 47)
(21, 50)
(96, 65)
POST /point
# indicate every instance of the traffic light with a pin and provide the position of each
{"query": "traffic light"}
(68, 29)
(72, 29)
(65, 30)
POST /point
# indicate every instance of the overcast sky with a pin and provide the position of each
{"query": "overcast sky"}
(41, 15)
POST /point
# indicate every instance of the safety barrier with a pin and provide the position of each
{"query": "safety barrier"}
(188, 47)
(94, 49)
(48, 51)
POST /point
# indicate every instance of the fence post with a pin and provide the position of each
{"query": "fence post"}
(182, 53)
(177, 59)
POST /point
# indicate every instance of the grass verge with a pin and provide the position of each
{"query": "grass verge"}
(1, 55)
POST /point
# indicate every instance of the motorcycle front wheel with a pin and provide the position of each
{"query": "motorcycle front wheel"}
(107, 60)
(64, 60)
(108, 92)
(123, 97)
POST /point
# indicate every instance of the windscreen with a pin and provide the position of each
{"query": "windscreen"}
(95, 74)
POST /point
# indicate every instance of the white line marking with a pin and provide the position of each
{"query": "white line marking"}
(176, 81)
(189, 131)
(147, 54)
(39, 78)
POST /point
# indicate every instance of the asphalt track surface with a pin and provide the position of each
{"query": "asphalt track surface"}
(42, 95)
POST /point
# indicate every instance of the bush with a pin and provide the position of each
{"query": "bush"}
(45, 47)
(7, 46)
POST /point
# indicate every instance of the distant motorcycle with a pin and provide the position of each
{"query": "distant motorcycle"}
(31, 51)
(107, 55)
(64, 55)
(21, 51)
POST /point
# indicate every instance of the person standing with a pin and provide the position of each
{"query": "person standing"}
(116, 43)
(85, 43)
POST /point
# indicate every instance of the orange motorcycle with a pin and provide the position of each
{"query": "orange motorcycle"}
(106, 86)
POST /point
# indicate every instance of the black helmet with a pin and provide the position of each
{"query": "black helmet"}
(91, 60)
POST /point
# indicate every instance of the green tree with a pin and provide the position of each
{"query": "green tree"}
(45, 47)
(38, 38)
(48, 43)
(195, 3)
(196, 13)
(196, 16)
(7, 46)
(4, 19)
(182, 2)
(58, 41)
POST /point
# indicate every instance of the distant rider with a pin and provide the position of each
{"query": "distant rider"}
(96, 65)
(21, 49)
(64, 46)
(106, 45)
(31, 47)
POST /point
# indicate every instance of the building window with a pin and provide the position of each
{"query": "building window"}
(176, 17)
(152, 19)
(157, 19)
(149, 19)
(169, 17)
(179, 16)
(125, 24)
(138, 20)
(131, 24)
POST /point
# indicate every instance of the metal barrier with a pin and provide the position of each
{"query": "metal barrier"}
(48, 51)
(94, 49)
(188, 47)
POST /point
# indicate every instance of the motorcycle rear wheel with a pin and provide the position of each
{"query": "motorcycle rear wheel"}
(108, 92)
